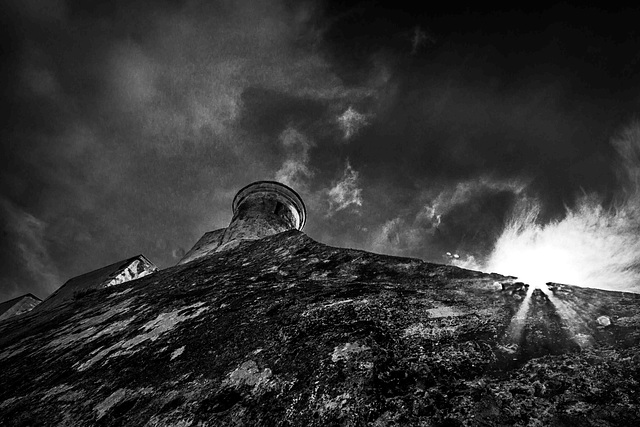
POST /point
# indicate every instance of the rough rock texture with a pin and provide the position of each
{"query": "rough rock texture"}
(289, 332)
(18, 306)
(113, 274)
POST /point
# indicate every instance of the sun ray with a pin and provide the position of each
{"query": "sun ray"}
(514, 331)
(575, 326)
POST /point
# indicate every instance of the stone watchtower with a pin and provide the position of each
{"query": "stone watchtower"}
(260, 209)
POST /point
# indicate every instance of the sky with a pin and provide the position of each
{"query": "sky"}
(447, 133)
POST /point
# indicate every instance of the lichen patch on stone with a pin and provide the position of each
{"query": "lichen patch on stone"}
(113, 328)
(444, 311)
(345, 351)
(113, 399)
(66, 340)
(338, 403)
(177, 352)
(430, 332)
(319, 275)
(90, 334)
(338, 303)
(59, 389)
(8, 402)
(11, 351)
(248, 374)
(118, 308)
(116, 294)
(163, 323)
(72, 396)
(118, 396)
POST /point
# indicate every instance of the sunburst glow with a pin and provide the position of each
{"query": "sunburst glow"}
(592, 246)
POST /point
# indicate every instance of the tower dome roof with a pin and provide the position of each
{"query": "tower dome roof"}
(285, 193)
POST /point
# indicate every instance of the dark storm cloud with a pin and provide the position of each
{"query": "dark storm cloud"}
(509, 104)
(131, 125)
(24, 244)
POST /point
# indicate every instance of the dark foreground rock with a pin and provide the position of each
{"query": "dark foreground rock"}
(289, 332)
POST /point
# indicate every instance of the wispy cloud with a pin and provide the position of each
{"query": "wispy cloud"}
(449, 221)
(295, 171)
(402, 235)
(351, 122)
(420, 37)
(177, 94)
(346, 192)
(463, 192)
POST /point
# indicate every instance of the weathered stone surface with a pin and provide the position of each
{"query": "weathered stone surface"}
(113, 274)
(18, 306)
(286, 331)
